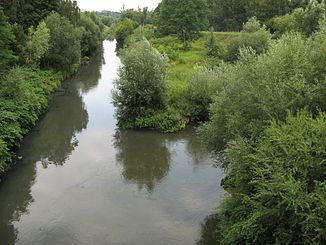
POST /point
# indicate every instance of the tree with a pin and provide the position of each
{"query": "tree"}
(139, 90)
(7, 39)
(227, 15)
(91, 35)
(29, 12)
(37, 44)
(64, 53)
(122, 30)
(70, 10)
(184, 17)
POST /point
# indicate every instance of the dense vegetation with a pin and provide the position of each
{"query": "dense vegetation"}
(41, 43)
(261, 95)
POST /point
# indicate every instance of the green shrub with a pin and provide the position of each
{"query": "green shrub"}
(253, 35)
(122, 30)
(202, 86)
(277, 185)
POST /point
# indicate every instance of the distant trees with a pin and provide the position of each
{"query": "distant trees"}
(305, 20)
(231, 14)
(139, 90)
(184, 17)
(122, 30)
(64, 53)
(7, 40)
(91, 38)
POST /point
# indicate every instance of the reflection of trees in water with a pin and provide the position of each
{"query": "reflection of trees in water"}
(56, 139)
(194, 146)
(210, 231)
(144, 157)
(90, 74)
(51, 141)
(68, 116)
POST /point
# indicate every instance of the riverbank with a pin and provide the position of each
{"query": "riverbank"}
(23, 99)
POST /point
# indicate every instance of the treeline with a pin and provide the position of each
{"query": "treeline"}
(263, 103)
(42, 43)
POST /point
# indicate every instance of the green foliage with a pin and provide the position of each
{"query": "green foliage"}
(301, 20)
(70, 10)
(277, 185)
(28, 12)
(184, 17)
(227, 15)
(122, 30)
(214, 49)
(258, 88)
(64, 53)
(21, 40)
(37, 44)
(24, 94)
(139, 91)
(201, 90)
(7, 39)
(253, 35)
(91, 39)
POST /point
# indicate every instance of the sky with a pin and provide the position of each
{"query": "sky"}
(115, 5)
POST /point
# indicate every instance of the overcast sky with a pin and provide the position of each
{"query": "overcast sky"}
(115, 5)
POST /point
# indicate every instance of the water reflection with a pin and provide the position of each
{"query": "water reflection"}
(210, 232)
(50, 142)
(144, 157)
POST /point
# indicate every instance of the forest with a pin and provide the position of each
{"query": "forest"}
(251, 74)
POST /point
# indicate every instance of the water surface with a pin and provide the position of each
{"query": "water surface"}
(80, 180)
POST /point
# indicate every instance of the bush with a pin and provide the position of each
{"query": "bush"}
(202, 86)
(255, 89)
(253, 35)
(24, 94)
(277, 185)
(122, 30)
(141, 86)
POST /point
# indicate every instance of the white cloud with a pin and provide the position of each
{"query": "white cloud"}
(115, 5)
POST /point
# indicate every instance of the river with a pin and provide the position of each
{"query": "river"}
(80, 180)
